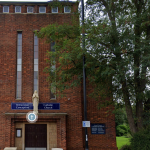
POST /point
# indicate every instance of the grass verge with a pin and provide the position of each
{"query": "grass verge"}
(122, 141)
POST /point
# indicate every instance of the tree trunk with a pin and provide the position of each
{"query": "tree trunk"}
(139, 114)
(138, 85)
(128, 108)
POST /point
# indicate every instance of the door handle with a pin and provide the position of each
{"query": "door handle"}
(36, 136)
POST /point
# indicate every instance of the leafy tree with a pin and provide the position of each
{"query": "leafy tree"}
(120, 116)
(121, 38)
(121, 130)
(117, 54)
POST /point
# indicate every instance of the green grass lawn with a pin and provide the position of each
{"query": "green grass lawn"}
(122, 141)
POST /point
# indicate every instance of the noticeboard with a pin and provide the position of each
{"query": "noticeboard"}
(98, 128)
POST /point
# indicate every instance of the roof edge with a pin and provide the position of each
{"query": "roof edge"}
(33, 2)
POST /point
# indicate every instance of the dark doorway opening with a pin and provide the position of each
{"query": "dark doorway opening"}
(35, 136)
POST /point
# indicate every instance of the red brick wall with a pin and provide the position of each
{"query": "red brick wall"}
(70, 135)
(100, 115)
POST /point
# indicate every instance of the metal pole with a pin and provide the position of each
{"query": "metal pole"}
(84, 76)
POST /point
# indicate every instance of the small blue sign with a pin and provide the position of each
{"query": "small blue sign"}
(28, 106)
(99, 128)
(85, 123)
(32, 117)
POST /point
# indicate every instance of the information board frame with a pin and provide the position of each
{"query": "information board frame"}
(98, 128)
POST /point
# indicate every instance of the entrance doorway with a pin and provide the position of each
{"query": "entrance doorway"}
(35, 136)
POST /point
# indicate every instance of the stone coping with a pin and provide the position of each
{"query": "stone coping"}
(57, 149)
(39, 114)
(10, 148)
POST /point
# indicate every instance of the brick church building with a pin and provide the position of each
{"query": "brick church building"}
(22, 61)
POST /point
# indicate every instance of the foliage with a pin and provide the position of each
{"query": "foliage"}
(118, 32)
(117, 54)
(68, 55)
(146, 114)
(141, 140)
(121, 130)
(68, 58)
(128, 135)
(120, 116)
(126, 147)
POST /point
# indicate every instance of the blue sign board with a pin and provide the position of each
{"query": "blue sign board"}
(98, 128)
(49, 106)
(27, 106)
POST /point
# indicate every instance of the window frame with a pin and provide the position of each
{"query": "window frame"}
(20, 132)
(54, 12)
(15, 9)
(41, 7)
(29, 7)
(19, 64)
(3, 9)
(36, 64)
(52, 49)
(65, 11)
(51, 93)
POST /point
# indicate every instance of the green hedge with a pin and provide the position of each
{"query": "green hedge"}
(141, 140)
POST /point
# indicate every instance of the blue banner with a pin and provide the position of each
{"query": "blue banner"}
(27, 106)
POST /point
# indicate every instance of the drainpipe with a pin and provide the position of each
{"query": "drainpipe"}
(84, 76)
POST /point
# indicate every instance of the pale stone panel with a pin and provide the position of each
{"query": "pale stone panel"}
(10, 148)
(18, 141)
(57, 149)
(52, 135)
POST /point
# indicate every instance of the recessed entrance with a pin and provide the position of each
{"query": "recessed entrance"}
(35, 136)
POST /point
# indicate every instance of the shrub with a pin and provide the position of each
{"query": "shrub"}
(128, 135)
(121, 130)
(141, 140)
(126, 147)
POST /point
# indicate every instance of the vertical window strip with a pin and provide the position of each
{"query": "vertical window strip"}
(35, 63)
(19, 66)
(52, 88)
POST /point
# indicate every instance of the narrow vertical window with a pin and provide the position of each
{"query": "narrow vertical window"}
(19, 66)
(35, 63)
(52, 87)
